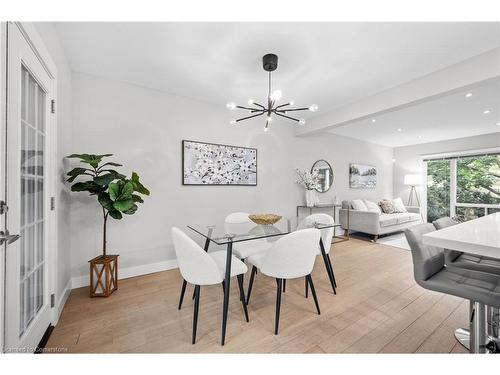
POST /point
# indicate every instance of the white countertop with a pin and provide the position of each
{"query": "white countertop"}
(480, 236)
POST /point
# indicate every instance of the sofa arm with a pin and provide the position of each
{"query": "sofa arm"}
(360, 221)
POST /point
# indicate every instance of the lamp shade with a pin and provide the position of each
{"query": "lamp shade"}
(412, 179)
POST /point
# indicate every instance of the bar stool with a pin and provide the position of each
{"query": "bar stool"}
(482, 289)
(458, 259)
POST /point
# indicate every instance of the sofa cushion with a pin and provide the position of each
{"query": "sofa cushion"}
(387, 220)
(358, 204)
(387, 206)
(407, 217)
(372, 206)
(398, 205)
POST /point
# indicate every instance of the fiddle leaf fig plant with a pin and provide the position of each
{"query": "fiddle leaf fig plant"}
(116, 193)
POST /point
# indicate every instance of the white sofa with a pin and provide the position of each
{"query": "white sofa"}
(377, 224)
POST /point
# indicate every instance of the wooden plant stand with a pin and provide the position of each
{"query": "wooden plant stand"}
(103, 275)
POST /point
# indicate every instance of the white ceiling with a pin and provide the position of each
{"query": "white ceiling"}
(448, 117)
(331, 64)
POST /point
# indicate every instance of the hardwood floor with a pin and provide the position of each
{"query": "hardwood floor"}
(378, 308)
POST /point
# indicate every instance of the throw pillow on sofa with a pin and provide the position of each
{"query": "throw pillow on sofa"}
(399, 206)
(359, 205)
(372, 206)
(387, 206)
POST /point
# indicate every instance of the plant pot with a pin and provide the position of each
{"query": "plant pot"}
(103, 275)
(311, 198)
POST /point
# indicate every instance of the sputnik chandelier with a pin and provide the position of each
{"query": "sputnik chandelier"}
(270, 63)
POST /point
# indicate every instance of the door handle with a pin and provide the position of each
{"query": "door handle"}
(7, 237)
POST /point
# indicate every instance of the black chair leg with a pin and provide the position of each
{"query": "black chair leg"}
(196, 306)
(278, 305)
(250, 284)
(307, 287)
(183, 290)
(329, 273)
(309, 279)
(242, 296)
(331, 269)
(284, 285)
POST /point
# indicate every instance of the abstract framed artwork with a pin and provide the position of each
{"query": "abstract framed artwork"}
(362, 176)
(215, 164)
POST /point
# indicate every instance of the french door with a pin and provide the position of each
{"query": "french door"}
(28, 263)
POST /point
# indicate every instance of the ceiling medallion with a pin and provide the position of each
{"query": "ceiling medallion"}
(270, 63)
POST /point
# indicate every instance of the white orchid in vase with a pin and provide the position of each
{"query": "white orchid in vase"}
(308, 180)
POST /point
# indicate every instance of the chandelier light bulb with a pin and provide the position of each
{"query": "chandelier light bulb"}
(302, 121)
(250, 101)
(231, 106)
(313, 107)
(291, 102)
(276, 95)
(269, 119)
(266, 129)
(232, 122)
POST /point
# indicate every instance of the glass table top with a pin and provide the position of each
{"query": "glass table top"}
(232, 232)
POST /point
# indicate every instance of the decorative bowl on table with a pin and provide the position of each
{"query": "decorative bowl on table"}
(264, 219)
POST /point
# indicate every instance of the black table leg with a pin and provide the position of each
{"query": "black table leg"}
(327, 266)
(227, 281)
(307, 287)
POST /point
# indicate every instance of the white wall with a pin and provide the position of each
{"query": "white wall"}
(64, 130)
(144, 129)
(408, 158)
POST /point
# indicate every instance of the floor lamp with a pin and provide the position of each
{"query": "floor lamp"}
(412, 180)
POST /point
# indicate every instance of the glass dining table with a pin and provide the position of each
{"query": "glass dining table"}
(231, 233)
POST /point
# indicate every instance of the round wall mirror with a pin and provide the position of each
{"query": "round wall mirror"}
(325, 172)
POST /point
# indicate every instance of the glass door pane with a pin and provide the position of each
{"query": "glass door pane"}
(438, 189)
(32, 282)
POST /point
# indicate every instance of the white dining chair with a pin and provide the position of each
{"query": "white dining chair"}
(199, 268)
(290, 257)
(326, 241)
(239, 223)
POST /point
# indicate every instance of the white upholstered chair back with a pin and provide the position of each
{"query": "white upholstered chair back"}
(293, 255)
(196, 266)
(326, 234)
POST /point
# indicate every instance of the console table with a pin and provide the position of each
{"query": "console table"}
(333, 207)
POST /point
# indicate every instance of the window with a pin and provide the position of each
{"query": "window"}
(438, 189)
(468, 186)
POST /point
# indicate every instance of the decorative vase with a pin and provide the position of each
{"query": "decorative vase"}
(311, 198)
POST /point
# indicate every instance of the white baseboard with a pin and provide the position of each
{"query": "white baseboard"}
(125, 273)
(61, 302)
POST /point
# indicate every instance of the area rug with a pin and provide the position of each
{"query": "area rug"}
(395, 240)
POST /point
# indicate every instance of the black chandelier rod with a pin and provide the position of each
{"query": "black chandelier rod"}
(288, 117)
(248, 117)
(293, 109)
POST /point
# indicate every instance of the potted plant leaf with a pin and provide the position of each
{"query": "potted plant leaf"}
(117, 195)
